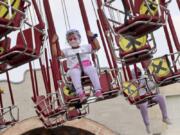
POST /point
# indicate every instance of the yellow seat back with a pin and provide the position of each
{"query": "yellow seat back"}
(160, 67)
(128, 45)
(4, 11)
(130, 89)
(153, 8)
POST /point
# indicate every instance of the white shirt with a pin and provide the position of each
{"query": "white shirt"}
(73, 60)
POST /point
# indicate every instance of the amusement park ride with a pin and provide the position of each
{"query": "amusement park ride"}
(127, 42)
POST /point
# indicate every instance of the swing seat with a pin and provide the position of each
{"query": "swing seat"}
(14, 22)
(22, 52)
(44, 107)
(49, 113)
(131, 92)
(8, 116)
(108, 90)
(105, 81)
(163, 70)
(139, 26)
(145, 20)
(133, 50)
(74, 114)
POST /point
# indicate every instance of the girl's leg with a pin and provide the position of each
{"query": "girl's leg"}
(144, 112)
(75, 75)
(92, 73)
(161, 101)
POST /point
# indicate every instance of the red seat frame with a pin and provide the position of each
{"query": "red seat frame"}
(14, 22)
(22, 53)
(142, 24)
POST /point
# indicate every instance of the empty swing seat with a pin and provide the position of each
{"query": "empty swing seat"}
(9, 116)
(24, 52)
(9, 23)
(49, 112)
(132, 50)
(164, 70)
(143, 22)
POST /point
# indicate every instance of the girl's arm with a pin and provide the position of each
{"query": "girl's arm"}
(54, 47)
(94, 40)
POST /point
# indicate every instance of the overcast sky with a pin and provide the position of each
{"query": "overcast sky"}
(76, 22)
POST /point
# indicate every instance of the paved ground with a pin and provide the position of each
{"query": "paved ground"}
(115, 114)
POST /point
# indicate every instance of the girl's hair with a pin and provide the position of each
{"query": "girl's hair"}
(72, 31)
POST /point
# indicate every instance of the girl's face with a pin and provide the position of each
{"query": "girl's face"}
(73, 40)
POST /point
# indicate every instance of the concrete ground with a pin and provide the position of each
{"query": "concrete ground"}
(115, 114)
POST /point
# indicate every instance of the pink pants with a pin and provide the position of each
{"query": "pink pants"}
(144, 108)
(90, 71)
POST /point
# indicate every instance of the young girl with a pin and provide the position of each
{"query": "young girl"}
(143, 107)
(73, 38)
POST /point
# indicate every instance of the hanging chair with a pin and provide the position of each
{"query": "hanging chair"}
(108, 90)
(28, 47)
(147, 19)
(50, 110)
(165, 69)
(149, 16)
(9, 116)
(136, 94)
(11, 15)
(133, 50)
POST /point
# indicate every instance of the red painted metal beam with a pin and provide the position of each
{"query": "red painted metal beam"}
(38, 13)
(32, 82)
(178, 2)
(106, 28)
(51, 32)
(10, 88)
(173, 32)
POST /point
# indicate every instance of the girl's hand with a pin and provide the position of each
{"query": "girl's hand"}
(54, 38)
(90, 34)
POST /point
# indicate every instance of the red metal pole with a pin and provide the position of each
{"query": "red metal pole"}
(178, 2)
(10, 88)
(85, 20)
(37, 12)
(36, 84)
(169, 43)
(1, 102)
(106, 28)
(32, 81)
(129, 72)
(51, 32)
(104, 44)
(47, 72)
(124, 72)
(173, 32)
(43, 71)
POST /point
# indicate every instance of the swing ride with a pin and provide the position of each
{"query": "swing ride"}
(127, 42)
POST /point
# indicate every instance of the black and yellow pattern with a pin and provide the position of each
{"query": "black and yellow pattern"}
(130, 89)
(4, 12)
(160, 67)
(68, 91)
(129, 44)
(2, 50)
(153, 8)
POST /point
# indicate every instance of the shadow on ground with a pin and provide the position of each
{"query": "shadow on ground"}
(64, 130)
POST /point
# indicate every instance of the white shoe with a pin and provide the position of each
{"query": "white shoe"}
(167, 121)
(148, 130)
